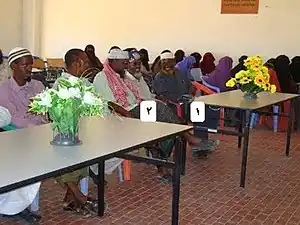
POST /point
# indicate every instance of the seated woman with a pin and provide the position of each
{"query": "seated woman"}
(179, 55)
(186, 65)
(145, 68)
(240, 66)
(112, 86)
(282, 69)
(283, 108)
(295, 69)
(196, 72)
(221, 74)
(170, 84)
(94, 60)
(208, 63)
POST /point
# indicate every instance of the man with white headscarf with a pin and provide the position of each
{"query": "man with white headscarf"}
(16, 203)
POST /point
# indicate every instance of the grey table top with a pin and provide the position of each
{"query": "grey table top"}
(27, 153)
(235, 99)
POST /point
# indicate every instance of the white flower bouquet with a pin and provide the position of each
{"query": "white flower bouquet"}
(70, 100)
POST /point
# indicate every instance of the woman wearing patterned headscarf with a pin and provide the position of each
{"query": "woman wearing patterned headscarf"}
(208, 63)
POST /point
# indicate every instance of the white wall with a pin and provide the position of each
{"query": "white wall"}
(31, 25)
(51, 27)
(194, 25)
(10, 24)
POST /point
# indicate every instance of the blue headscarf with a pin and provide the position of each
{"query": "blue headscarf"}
(185, 65)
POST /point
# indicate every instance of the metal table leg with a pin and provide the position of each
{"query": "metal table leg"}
(101, 188)
(183, 156)
(176, 181)
(289, 130)
(245, 147)
(240, 128)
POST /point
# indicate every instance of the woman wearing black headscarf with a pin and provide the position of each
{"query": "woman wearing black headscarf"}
(239, 67)
(95, 62)
(282, 68)
(295, 69)
(145, 59)
(179, 55)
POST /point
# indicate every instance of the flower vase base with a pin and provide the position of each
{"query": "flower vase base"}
(250, 96)
(65, 140)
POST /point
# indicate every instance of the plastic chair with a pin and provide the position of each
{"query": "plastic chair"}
(123, 171)
(208, 90)
(213, 88)
(254, 118)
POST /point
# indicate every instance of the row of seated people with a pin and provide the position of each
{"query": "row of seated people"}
(118, 83)
(283, 74)
(122, 82)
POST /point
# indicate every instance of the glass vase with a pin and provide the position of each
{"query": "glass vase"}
(65, 125)
(250, 95)
(65, 139)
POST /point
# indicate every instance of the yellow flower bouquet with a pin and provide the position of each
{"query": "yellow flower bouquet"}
(253, 80)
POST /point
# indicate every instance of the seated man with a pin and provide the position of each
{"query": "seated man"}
(77, 63)
(112, 86)
(15, 94)
(135, 75)
(171, 85)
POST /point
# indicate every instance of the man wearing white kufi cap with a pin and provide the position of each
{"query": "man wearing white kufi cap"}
(112, 84)
(116, 61)
(15, 94)
(171, 84)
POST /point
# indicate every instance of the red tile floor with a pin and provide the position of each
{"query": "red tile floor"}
(210, 192)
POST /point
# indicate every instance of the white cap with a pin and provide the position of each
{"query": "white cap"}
(167, 55)
(118, 54)
(17, 53)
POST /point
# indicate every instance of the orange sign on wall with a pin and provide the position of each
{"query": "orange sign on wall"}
(239, 6)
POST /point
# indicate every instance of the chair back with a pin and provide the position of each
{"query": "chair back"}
(55, 63)
(201, 87)
(38, 63)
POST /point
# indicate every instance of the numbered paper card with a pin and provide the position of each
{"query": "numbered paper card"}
(197, 110)
(148, 111)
